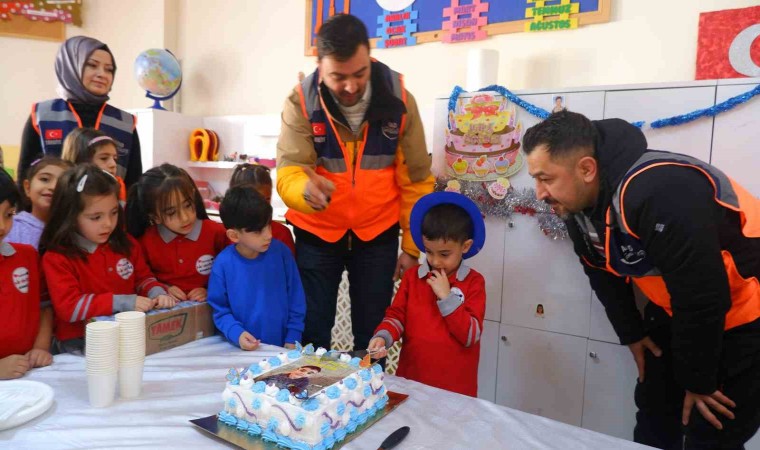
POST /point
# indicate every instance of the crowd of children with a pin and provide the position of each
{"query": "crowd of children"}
(74, 227)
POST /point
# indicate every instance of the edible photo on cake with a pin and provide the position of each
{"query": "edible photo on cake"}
(311, 373)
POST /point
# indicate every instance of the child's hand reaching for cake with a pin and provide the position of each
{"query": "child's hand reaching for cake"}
(248, 342)
(377, 349)
(440, 283)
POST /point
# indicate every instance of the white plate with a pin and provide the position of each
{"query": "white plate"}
(40, 393)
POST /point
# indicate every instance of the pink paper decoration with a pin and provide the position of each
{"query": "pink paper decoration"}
(454, 28)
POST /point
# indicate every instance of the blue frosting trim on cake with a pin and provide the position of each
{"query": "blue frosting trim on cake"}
(381, 403)
(273, 424)
(350, 383)
(341, 408)
(324, 429)
(355, 361)
(365, 374)
(283, 395)
(377, 369)
(367, 391)
(333, 392)
(255, 368)
(274, 361)
(294, 354)
(340, 434)
(353, 413)
(311, 404)
(329, 441)
(351, 427)
(309, 349)
(269, 436)
(259, 387)
(254, 429)
(242, 425)
(300, 420)
(231, 403)
(256, 403)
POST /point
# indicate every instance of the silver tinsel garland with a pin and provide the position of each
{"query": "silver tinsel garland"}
(517, 200)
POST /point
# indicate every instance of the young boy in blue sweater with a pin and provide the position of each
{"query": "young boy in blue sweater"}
(254, 288)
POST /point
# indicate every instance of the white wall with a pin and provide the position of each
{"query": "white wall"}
(242, 56)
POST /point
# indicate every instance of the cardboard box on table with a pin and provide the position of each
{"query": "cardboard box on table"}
(166, 329)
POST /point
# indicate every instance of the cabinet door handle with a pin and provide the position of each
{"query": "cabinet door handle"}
(504, 339)
(593, 355)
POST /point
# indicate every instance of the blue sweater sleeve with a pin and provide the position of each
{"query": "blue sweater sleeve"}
(220, 302)
(296, 299)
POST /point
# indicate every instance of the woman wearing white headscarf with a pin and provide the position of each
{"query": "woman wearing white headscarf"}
(85, 68)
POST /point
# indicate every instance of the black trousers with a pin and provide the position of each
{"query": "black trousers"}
(370, 266)
(660, 400)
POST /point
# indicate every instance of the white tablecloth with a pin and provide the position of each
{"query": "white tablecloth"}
(187, 382)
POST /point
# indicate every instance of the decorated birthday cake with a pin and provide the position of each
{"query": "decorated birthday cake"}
(483, 138)
(304, 399)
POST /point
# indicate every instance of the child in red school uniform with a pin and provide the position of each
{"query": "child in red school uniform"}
(93, 267)
(165, 213)
(25, 331)
(440, 305)
(258, 177)
(88, 145)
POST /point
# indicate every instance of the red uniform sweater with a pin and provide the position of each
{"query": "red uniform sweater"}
(19, 298)
(101, 284)
(441, 337)
(283, 234)
(184, 261)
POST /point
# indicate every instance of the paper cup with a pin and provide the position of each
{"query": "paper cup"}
(101, 388)
(130, 380)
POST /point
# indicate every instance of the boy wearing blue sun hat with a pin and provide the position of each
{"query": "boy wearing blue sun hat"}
(440, 305)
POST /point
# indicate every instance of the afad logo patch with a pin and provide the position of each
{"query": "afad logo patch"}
(21, 279)
(168, 328)
(390, 130)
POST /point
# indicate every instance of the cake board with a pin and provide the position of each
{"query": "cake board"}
(211, 425)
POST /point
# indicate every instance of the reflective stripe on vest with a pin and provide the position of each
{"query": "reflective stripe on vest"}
(626, 257)
(55, 119)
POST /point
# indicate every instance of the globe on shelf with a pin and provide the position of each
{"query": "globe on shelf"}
(158, 72)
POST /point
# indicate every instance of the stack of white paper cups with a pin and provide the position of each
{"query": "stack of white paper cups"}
(102, 358)
(131, 352)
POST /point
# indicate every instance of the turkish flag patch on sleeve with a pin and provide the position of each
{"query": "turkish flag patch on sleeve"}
(53, 134)
(319, 129)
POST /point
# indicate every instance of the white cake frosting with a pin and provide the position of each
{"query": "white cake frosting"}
(314, 423)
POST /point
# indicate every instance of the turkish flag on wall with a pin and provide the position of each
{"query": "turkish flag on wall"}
(717, 31)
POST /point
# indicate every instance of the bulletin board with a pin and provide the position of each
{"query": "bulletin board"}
(425, 21)
(39, 19)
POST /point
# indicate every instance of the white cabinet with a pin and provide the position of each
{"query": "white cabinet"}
(735, 139)
(489, 263)
(608, 405)
(692, 139)
(600, 328)
(489, 355)
(541, 373)
(539, 270)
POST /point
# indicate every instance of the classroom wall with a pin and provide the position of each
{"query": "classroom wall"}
(243, 56)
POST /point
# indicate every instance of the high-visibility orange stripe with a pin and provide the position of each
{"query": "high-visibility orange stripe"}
(73, 111)
(34, 119)
(100, 116)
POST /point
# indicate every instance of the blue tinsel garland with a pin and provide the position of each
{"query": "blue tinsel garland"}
(660, 123)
